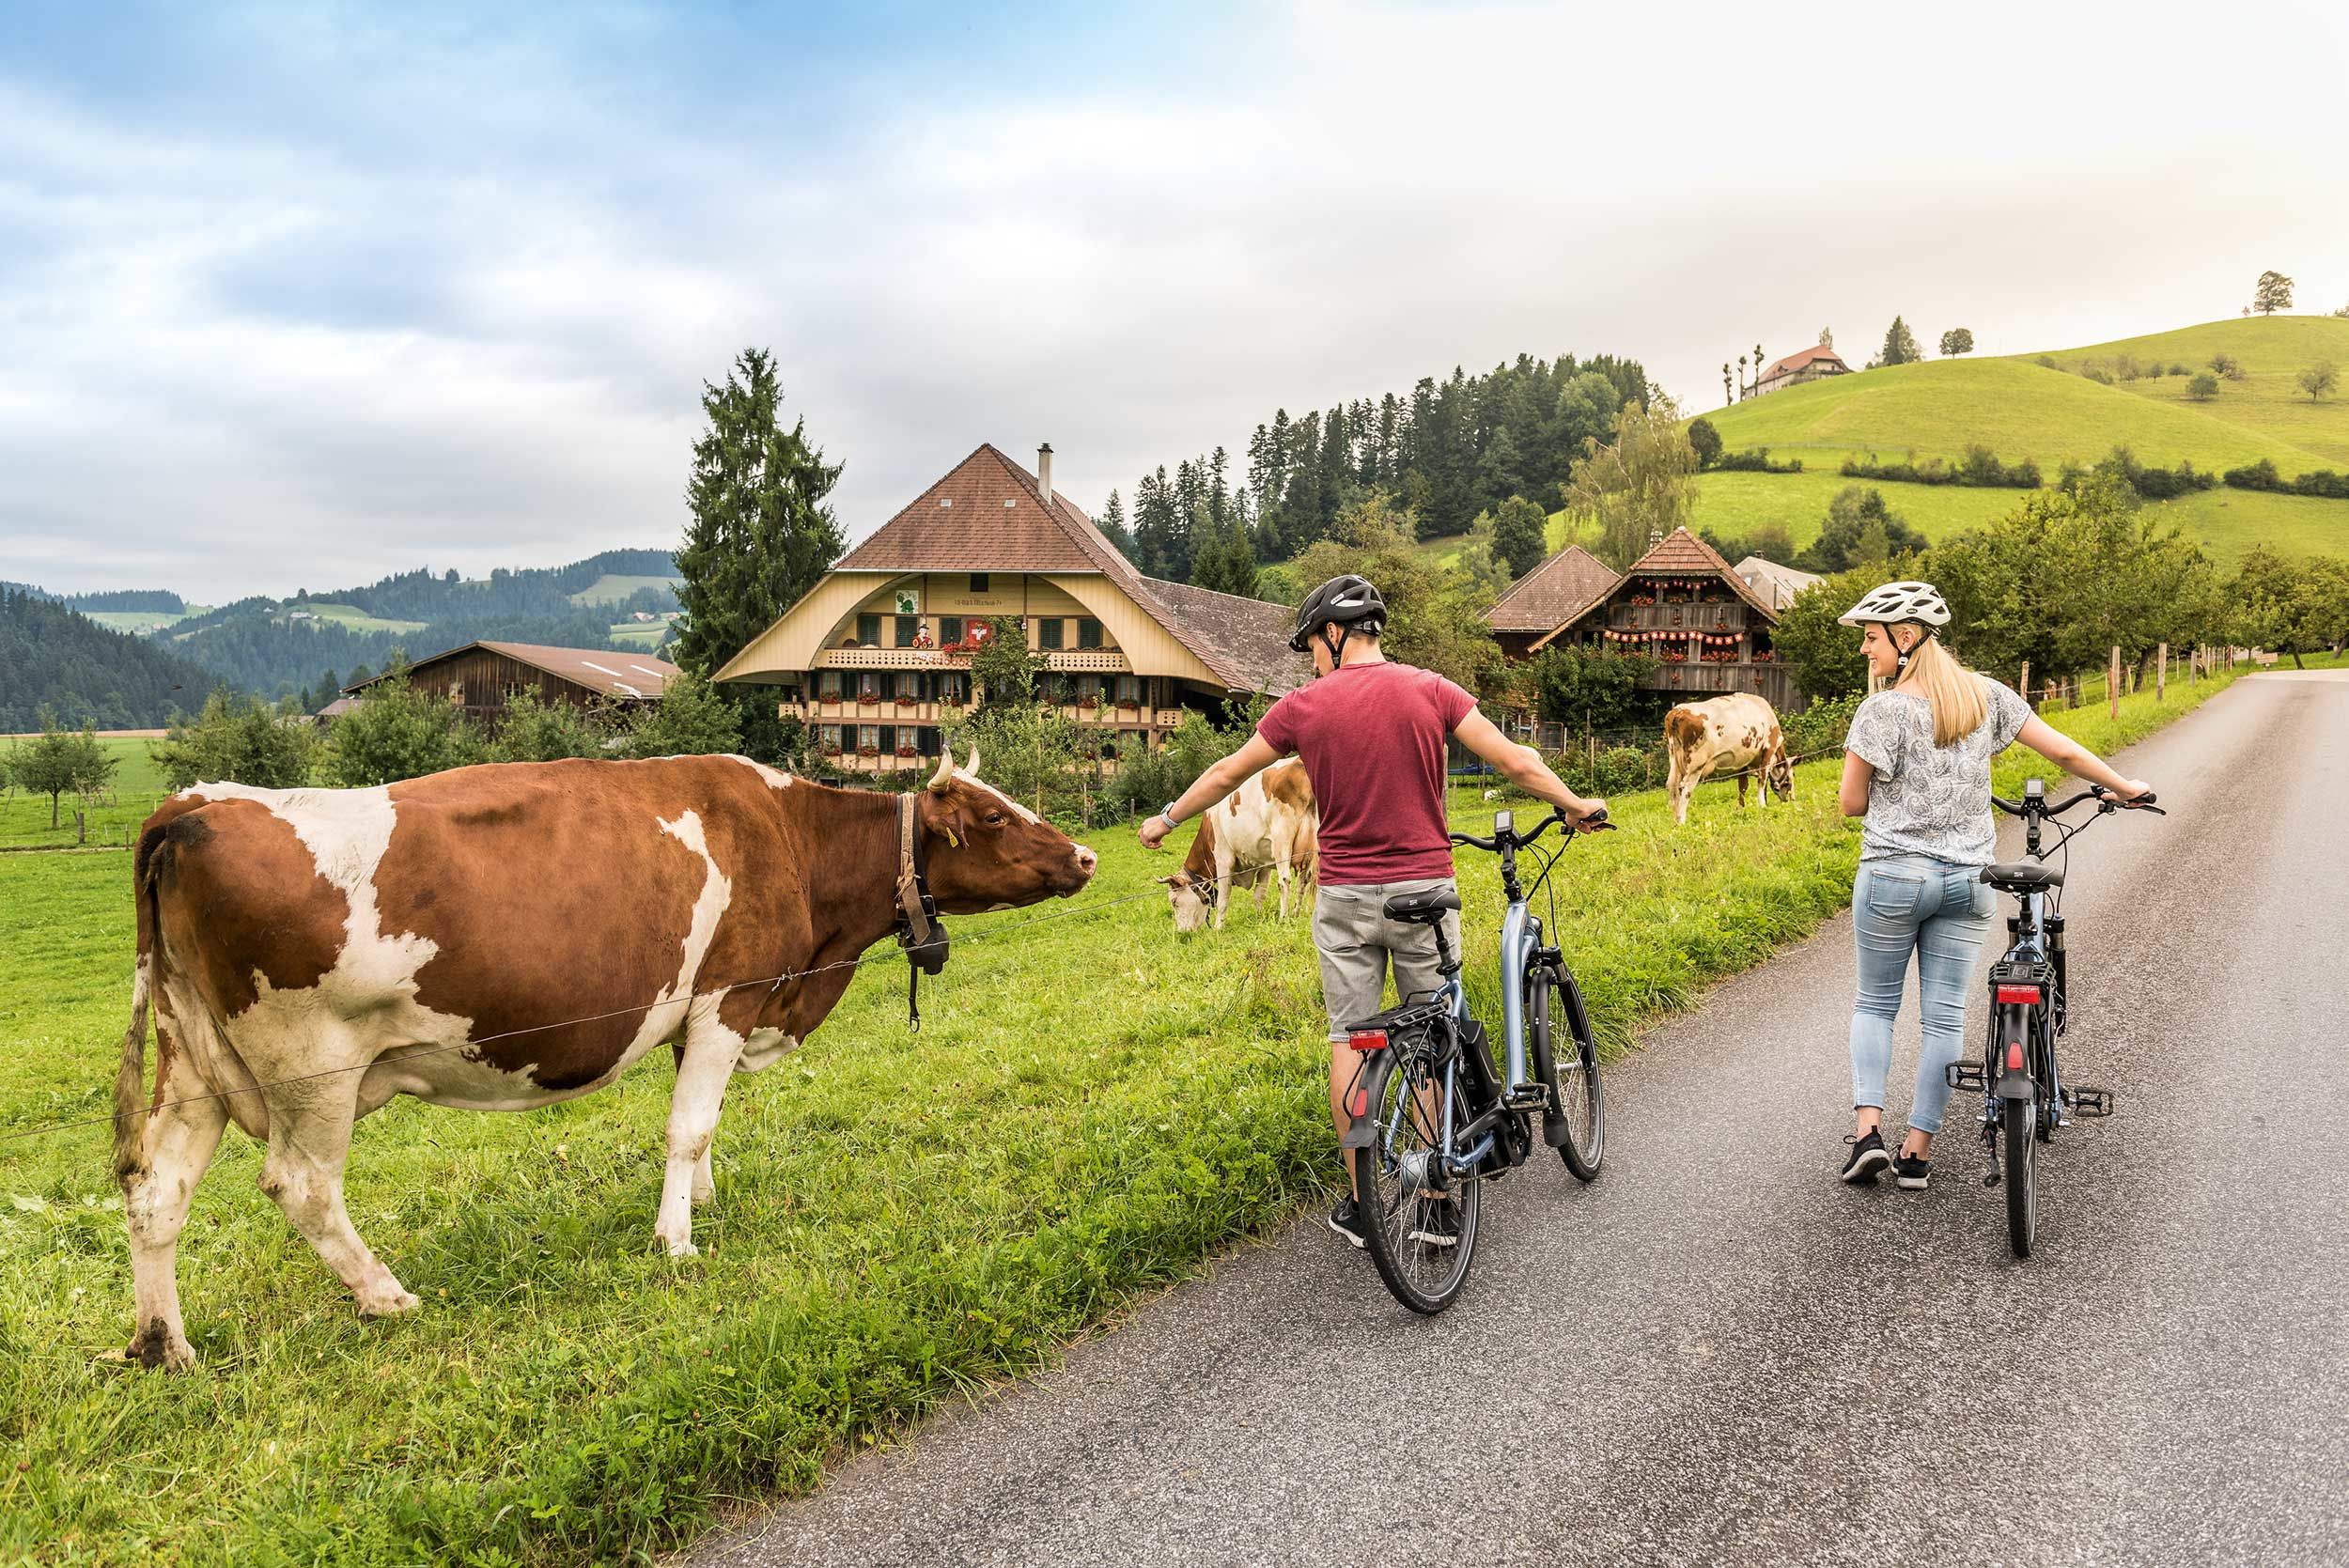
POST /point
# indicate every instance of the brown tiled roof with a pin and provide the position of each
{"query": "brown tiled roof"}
(1551, 592)
(1795, 361)
(606, 670)
(998, 521)
(1251, 636)
(1680, 554)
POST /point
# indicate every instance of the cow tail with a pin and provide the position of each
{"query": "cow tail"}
(131, 1077)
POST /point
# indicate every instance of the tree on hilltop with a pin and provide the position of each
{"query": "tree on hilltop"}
(1957, 341)
(1900, 345)
(2272, 293)
(1827, 338)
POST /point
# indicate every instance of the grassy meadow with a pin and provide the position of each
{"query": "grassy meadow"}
(1093, 1106)
(138, 785)
(612, 587)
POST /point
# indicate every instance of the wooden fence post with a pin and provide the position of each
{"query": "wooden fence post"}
(2161, 673)
(2026, 683)
(2112, 682)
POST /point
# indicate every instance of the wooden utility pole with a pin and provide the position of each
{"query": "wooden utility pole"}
(2161, 673)
(2112, 681)
(2026, 687)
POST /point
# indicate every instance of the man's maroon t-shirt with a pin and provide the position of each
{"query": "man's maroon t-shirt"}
(1372, 739)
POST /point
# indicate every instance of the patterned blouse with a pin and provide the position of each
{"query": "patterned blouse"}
(1929, 799)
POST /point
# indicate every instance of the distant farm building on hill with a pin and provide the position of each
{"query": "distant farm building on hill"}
(482, 678)
(1551, 593)
(1704, 626)
(876, 657)
(1808, 364)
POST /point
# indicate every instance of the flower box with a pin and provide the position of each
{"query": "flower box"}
(869, 751)
(831, 751)
(908, 752)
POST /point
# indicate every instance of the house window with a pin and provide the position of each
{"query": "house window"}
(978, 582)
(909, 686)
(867, 734)
(827, 736)
(950, 629)
(828, 686)
(1049, 632)
(868, 631)
(1088, 633)
(907, 627)
(868, 686)
(1130, 689)
(953, 687)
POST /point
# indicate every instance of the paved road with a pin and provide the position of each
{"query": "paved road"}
(1718, 1353)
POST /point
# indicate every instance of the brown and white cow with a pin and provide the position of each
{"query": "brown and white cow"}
(1265, 830)
(1737, 732)
(309, 954)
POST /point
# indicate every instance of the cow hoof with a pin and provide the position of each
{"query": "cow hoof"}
(161, 1346)
(703, 1192)
(389, 1303)
(682, 1248)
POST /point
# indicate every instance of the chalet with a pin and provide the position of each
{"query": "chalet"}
(481, 678)
(1551, 593)
(876, 657)
(1808, 364)
(1680, 604)
(1769, 579)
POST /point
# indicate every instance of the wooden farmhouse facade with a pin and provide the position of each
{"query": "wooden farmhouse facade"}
(482, 677)
(1809, 364)
(1682, 606)
(876, 657)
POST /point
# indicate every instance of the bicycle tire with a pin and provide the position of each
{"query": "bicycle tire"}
(2019, 1124)
(1578, 1097)
(1425, 1277)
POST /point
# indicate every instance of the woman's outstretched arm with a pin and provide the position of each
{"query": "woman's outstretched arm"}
(2076, 759)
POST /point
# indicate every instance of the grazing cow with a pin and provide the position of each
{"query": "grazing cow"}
(1269, 828)
(500, 938)
(1739, 732)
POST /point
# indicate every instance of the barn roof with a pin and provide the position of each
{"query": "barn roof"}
(1777, 582)
(1551, 592)
(607, 671)
(1800, 358)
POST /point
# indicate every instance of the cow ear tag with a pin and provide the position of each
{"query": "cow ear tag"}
(952, 842)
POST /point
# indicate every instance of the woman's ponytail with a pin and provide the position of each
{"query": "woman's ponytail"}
(1954, 692)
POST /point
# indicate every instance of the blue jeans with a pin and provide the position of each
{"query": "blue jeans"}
(1941, 912)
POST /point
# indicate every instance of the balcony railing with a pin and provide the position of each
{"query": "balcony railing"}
(1088, 660)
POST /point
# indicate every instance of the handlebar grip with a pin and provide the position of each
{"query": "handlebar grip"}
(1597, 819)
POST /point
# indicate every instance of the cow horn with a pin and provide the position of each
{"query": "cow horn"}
(971, 767)
(946, 774)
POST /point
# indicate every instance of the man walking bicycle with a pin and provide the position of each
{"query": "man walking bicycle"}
(1372, 734)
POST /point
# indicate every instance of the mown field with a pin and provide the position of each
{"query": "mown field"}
(138, 785)
(1093, 1106)
(612, 587)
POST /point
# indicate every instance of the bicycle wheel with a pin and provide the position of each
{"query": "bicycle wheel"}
(1407, 1203)
(1579, 1102)
(2019, 1122)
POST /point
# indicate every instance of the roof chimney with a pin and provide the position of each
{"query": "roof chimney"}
(1043, 473)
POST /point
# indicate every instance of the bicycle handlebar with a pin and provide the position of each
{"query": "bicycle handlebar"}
(1595, 822)
(2108, 800)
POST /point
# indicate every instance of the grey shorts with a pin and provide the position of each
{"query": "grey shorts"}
(1356, 940)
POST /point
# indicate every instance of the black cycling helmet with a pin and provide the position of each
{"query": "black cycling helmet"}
(1349, 601)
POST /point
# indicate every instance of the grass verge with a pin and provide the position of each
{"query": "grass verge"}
(1092, 1106)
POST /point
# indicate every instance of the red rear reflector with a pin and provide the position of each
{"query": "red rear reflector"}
(2027, 995)
(1359, 1104)
(2015, 1056)
(1368, 1039)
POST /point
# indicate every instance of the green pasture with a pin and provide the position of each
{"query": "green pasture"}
(358, 619)
(901, 1221)
(2273, 350)
(612, 587)
(141, 621)
(138, 787)
(639, 634)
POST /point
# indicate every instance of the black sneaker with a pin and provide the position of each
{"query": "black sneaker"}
(1438, 1221)
(1348, 1221)
(1909, 1171)
(1867, 1158)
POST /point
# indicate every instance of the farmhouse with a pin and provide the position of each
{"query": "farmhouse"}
(876, 657)
(1808, 364)
(1682, 606)
(1549, 595)
(481, 677)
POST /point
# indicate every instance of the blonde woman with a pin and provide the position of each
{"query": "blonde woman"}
(1917, 766)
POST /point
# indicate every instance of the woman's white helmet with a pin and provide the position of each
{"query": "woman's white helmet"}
(1896, 603)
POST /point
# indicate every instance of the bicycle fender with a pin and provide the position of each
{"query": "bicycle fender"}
(2014, 1086)
(1362, 1133)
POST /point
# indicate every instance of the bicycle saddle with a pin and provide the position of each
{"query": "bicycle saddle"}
(1423, 909)
(2022, 875)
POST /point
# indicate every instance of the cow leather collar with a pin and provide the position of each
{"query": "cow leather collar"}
(920, 931)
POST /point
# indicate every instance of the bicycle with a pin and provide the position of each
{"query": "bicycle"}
(1432, 1119)
(2025, 1098)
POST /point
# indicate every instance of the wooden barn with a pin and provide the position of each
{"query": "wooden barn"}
(481, 677)
(1683, 606)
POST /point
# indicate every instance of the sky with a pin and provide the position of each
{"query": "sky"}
(295, 297)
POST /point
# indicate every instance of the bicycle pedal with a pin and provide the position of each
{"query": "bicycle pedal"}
(1531, 1096)
(2091, 1102)
(1964, 1074)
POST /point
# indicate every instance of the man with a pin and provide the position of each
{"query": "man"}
(1372, 736)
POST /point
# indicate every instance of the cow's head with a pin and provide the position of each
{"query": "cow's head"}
(1192, 897)
(1781, 776)
(987, 851)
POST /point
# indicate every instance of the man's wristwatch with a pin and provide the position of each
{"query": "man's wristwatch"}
(1166, 814)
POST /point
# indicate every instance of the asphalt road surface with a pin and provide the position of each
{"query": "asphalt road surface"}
(1718, 1353)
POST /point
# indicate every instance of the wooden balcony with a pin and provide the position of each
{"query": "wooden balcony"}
(1676, 617)
(890, 711)
(1074, 661)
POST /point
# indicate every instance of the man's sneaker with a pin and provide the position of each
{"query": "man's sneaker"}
(1909, 1171)
(1867, 1158)
(1438, 1221)
(1348, 1221)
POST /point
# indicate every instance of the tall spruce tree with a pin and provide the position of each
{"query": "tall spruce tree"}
(1900, 345)
(761, 534)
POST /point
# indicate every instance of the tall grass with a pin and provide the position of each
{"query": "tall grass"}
(1092, 1106)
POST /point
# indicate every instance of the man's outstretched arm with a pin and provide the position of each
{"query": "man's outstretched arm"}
(1522, 766)
(1215, 783)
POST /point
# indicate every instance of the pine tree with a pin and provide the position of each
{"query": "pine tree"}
(1154, 526)
(1900, 345)
(760, 535)
(1112, 525)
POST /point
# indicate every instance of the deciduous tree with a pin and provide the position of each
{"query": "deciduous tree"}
(690, 719)
(2272, 293)
(2319, 379)
(1642, 485)
(1521, 534)
(1957, 341)
(58, 762)
(239, 738)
